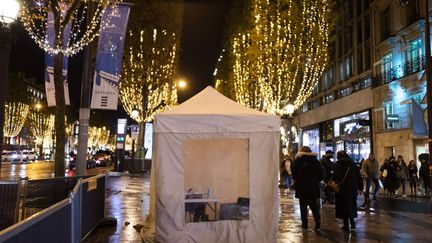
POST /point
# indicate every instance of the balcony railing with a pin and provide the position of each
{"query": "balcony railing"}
(402, 70)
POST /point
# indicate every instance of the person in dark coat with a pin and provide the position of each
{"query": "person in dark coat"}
(393, 182)
(413, 178)
(328, 167)
(424, 175)
(307, 175)
(348, 175)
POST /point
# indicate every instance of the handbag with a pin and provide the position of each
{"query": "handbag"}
(333, 185)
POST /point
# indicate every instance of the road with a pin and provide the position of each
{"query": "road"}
(39, 170)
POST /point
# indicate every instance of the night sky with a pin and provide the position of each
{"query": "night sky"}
(201, 46)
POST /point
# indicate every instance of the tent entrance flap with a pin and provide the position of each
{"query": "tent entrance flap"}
(216, 179)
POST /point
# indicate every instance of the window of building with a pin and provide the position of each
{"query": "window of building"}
(413, 55)
(359, 6)
(367, 55)
(386, 67)
(359, 59)
(329, 98)
(328, 78)
(411, 12)
(365, 83)
(314, 104)
(348, 66)
(304, 108)
(385, 23)
(359, 32)
(341, 71)
(367, 28)
(346, 91)
(388, 110)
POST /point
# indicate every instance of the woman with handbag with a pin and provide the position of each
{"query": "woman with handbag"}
(350, 183)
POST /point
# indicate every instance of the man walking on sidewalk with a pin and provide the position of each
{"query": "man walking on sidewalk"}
(370, 172)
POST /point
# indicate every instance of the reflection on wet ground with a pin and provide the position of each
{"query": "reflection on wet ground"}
(389, 220)
(39, 170)
(128, 201)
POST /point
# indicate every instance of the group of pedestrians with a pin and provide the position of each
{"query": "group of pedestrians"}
(397, 173)
(308, 173)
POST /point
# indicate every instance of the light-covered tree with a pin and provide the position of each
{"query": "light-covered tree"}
(278, 57)
(34, 15)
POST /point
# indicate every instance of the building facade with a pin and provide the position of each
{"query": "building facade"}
(371, 97)
(339, 114)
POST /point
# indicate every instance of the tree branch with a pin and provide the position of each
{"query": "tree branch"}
(70, 11)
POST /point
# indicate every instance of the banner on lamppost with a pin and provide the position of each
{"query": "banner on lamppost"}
(109, 57)
(49, 63)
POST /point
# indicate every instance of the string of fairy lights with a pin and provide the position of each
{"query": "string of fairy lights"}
(41, 126)
(98, 136)
(149, 74)
(34, 16)
(15, 117)
(281, 58)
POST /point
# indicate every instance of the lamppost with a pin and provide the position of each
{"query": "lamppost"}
(8, 14)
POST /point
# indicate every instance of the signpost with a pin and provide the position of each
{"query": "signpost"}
(120, 143)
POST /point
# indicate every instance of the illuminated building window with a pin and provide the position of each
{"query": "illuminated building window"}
(388, 111)
(386, 67)
(329, 98)
(414, 56)
(346, 91)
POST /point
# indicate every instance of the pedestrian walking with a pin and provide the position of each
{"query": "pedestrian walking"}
(286, 172)
(307, 175)
(424, 174)
(351, 183)
(412, 172)
(393, 182)
(402, 173)
(328, 167)
(384, 173)
(370, 172)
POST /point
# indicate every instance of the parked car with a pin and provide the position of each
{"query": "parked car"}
(10, 156)
(103, 158)
(90, 162)
(28, 156)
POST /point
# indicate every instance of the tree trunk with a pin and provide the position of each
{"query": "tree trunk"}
(59, 116)
(60, 126)
(141, 134)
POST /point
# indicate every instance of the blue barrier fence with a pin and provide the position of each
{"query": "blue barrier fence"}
(63, 221)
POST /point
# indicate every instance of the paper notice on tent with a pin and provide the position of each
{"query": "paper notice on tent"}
(49, 64)
(109, 58)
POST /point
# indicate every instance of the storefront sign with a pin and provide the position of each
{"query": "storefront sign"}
(392, 118)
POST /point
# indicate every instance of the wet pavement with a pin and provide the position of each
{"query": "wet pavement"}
(128, 201)
(39, 170)
(388, 220)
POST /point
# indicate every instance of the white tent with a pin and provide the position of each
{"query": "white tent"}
(223, 154)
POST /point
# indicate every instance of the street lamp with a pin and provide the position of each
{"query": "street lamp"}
(290, 109)
(182, 83)
(8, 14)
(134, 113)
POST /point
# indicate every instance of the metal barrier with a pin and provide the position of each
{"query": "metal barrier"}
(9, 203)
(68, 220)
(42, 193)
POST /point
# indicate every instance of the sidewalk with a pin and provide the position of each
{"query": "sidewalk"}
(388, 220)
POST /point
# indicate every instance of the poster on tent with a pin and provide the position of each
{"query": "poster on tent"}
(49, 63)
(213, 192)
(109, 57)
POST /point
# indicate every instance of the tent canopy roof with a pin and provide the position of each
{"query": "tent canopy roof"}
(214, 112)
